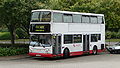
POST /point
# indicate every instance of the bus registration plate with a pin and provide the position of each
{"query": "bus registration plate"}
(38, 55)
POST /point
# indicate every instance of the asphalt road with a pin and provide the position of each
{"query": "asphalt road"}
(103, 60)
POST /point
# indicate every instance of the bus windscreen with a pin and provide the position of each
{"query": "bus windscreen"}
(41, 16)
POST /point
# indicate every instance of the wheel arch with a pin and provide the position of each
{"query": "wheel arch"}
(66, 53)
(95, 46)
(67, 49)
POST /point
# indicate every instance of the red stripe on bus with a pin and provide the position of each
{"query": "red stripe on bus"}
(76, 53)
(71, 53)
(41, 55)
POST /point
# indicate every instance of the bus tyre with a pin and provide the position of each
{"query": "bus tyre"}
(66, 53)
(95, 50)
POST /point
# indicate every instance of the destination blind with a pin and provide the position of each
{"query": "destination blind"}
(40, 28)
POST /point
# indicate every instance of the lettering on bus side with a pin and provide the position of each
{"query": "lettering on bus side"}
(76, 45)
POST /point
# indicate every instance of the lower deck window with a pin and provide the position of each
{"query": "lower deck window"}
(68, 39)
(99, 36)
(77, 38)
(95, 37)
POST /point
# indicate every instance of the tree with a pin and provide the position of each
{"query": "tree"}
(16, 13)
(25, 13)
(111, 10)
(7, 14)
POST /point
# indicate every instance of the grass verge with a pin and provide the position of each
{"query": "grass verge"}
(112, 40)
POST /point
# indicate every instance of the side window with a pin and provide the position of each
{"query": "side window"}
(77, 38)
(99, 36)
(100, 20)
(94, 38)
(77, 18)
(93, 19)
(85, 19)
(57, 17)
(67, 18)
(68, 39)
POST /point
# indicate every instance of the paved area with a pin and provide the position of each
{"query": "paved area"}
(111, 43)
(103, 60)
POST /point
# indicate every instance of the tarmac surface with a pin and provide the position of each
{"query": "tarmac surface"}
(102, 60)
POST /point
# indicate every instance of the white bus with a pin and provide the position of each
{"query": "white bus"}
(56, 33)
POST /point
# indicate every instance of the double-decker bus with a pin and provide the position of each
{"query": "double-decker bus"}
(56, 33)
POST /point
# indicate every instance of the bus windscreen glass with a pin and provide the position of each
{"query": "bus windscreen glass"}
(41, 16)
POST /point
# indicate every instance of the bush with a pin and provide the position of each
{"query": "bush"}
(112, 35)
(13, 51)
(6, 36)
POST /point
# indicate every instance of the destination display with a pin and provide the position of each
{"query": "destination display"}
(40, 28)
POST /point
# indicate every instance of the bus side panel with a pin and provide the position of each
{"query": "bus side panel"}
(75, 49)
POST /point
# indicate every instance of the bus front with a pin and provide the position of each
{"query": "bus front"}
(42, 42)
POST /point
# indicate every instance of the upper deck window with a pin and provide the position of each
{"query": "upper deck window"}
(85, 19)
(93, 19)
(67, 18)
(100, 20)
(57, 17)
(42, 16)
(35, 16)
(77, 18)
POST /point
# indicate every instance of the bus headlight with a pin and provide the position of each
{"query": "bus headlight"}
(47, 50)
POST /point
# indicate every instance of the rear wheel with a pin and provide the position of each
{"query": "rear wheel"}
(95, 50)
(66, 53)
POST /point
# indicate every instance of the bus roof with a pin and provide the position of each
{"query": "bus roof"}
(68, 12)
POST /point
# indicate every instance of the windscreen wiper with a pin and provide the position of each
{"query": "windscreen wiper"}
(41, 45)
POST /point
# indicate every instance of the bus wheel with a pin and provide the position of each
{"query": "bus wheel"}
(95, 50)
(66, 53)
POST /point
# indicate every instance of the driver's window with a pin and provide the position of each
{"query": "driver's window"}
(42, 39)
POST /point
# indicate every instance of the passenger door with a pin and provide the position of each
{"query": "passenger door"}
(57, 45)
(86, 42)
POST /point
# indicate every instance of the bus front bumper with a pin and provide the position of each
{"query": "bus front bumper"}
(42, 55)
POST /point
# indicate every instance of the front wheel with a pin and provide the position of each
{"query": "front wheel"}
(95, 50)
(66, 53)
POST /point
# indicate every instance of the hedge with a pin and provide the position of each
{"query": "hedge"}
(16, 49)
(12, 51)
(14, 45)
